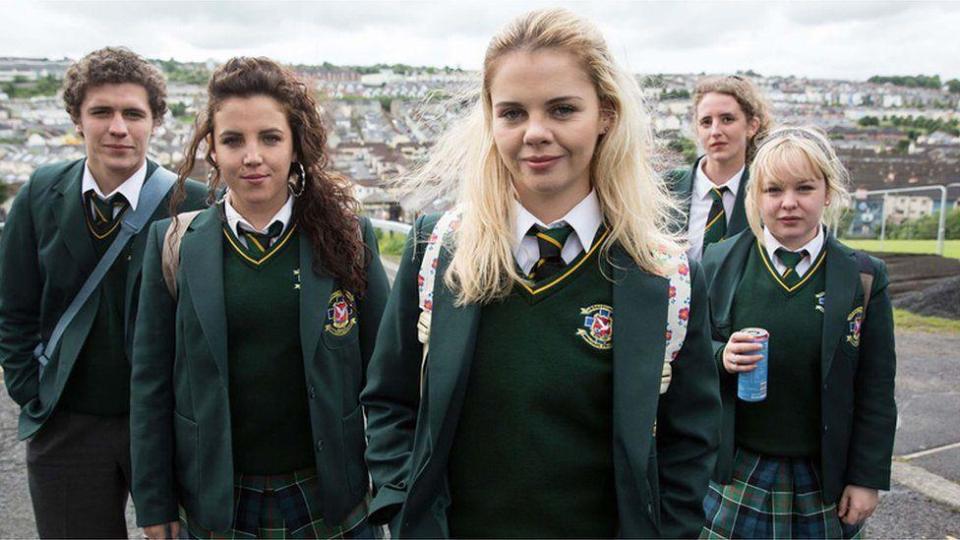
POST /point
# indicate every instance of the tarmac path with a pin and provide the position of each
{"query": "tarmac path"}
(924, 501)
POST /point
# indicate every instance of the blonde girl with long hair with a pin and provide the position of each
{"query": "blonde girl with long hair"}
(822, 438)
(529, 416)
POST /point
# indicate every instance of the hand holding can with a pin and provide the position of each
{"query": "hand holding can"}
(752, 382)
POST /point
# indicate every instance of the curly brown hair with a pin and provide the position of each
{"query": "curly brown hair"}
(751, 100)
(114, 65)
(326, 211)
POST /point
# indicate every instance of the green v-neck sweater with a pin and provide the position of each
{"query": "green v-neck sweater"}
(533, 456)
(99, 383)
(787, 422)
(269, 405)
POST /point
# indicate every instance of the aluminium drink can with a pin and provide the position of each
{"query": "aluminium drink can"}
(752, 385)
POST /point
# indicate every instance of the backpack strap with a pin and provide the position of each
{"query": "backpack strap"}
(154, 189)
(170, 254)
(427, 277)
(866, 278)
(678, 312)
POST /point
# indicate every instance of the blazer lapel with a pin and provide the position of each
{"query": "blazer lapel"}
(73, 224)
(201, 261)
(314, 299)
(640, 322)
(738, 219)
(684, 193)
(723, 285)
(841, 287)
(453, 333)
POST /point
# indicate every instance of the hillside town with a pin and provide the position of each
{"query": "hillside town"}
(890, 132)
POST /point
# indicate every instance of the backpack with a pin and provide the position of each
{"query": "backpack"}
(678, 308)
(170, 254)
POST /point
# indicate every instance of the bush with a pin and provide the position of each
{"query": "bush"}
(391, 243)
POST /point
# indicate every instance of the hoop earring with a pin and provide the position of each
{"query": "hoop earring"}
(295, 190)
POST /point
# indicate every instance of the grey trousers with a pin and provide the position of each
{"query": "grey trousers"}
(78, 468)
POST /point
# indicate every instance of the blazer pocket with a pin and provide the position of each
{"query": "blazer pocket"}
(354, 445)
(187, 448)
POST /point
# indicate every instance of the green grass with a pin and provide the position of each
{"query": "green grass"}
(391, 243)
(904, 320)
(951, 248)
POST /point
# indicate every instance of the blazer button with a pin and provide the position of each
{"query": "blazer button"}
(650, 508)
(320, 445)
(313, 393)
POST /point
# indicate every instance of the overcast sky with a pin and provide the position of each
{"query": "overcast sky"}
(845, 40)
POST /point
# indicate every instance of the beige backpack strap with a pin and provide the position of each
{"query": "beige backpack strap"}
(170, 254)
(866, 277)
(867, 281)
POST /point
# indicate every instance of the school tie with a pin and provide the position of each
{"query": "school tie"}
(790, 259)
(105, 212)
(550, 242)
(260, 243)
(716, 228)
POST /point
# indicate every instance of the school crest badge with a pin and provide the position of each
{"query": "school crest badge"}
(821, 298)
(341, 313)
(854, 322)
(597, 328)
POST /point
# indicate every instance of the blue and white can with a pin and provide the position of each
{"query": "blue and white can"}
(752, 385)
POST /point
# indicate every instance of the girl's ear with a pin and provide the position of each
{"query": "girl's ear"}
(753, 126)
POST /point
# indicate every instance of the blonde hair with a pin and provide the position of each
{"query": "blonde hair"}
(465, 163)
(751, 100)
(796, 152)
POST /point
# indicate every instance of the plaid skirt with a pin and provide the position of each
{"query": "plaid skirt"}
(771, 497)
(281, 506)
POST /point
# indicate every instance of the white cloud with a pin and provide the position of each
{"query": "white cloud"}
(821, 39)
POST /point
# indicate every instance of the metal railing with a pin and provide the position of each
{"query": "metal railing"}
(942, 223)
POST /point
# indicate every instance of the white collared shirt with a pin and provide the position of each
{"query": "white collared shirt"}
(129, 188)
(812, 248)
(700, 204)
(585, 219)
(234, 218)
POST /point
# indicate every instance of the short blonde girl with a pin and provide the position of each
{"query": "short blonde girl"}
(797, 152)
(465, 164)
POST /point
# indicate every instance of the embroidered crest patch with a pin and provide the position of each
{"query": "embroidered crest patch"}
(341, 314)
(821, 300)
(854, 322)
(597, 328)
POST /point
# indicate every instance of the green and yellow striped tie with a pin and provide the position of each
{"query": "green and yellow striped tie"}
(550, 242)
(790, 259)
(259, 243)
(716, 228)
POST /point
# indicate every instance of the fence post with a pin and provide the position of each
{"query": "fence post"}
(883, 220)
(942, 226)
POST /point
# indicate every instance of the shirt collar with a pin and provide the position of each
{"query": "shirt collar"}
(130, 188)
(585, 219)
(813, 247)
(234, 218)
(702, 185)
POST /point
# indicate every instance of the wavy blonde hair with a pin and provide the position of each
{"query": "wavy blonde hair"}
(796, 152)
(465, 164)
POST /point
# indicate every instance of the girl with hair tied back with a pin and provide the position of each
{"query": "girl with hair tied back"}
(807, 460)
(730, 114)
(257, 319)
(519, 386)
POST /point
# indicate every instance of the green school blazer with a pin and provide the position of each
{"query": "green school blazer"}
(46, 254)
(679, 183)
(660, 479)
(858, 412)
(180, 411)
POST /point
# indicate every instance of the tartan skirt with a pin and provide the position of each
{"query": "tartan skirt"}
(281, 506)
(772, 497)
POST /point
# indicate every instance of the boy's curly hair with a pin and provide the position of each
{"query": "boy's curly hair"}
(114, 65)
